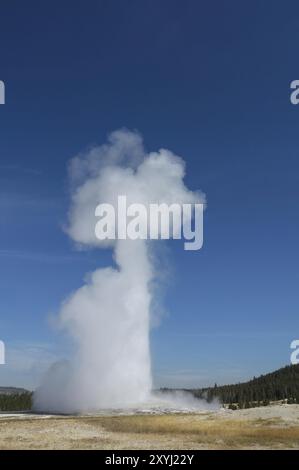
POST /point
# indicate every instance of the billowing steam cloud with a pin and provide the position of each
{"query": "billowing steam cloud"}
(109, 317)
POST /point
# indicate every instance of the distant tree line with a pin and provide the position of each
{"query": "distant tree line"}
(16, 402)
(282, 384)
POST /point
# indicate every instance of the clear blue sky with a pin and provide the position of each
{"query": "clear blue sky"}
(206, 79)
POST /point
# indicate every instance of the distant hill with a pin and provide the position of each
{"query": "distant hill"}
(283, 384)
(12, 391)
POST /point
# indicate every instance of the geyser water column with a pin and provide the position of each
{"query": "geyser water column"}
(108, 318)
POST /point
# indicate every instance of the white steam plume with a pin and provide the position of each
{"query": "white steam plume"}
(109, 317)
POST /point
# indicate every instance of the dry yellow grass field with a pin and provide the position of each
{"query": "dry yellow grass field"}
(256, 429)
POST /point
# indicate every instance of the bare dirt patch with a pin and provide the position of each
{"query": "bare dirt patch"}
(274, 427)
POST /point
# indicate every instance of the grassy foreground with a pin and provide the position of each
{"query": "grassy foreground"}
(175, 431)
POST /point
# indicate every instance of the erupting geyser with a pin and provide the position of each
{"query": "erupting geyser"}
(109, 317)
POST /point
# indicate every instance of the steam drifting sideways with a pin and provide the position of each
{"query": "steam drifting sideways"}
(108, 318)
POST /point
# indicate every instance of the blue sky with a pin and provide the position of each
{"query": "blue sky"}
(208, 80)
